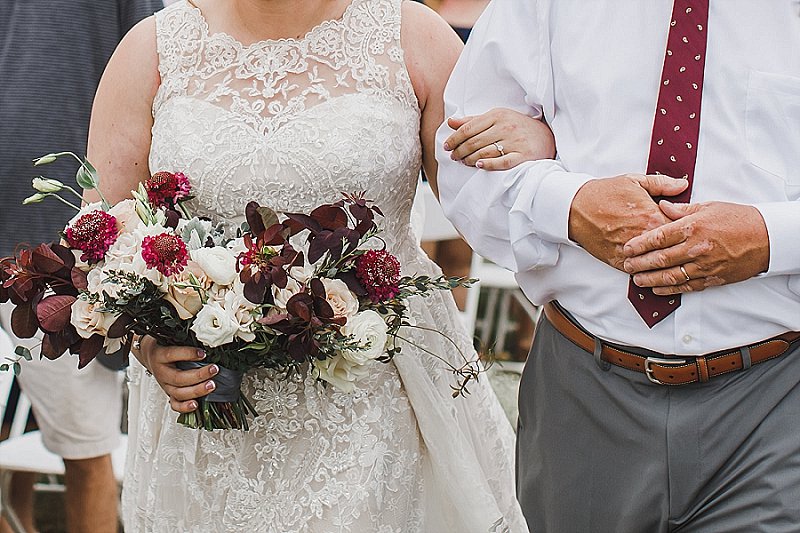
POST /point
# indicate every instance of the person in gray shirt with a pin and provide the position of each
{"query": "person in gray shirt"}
(52, 54)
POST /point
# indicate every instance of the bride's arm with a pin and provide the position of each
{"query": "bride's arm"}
(119, 130)
(431, 49)
(522, 138)
(118, 146)
(478, 140)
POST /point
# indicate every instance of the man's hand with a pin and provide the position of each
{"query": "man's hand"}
(716, 243)
(607, 213)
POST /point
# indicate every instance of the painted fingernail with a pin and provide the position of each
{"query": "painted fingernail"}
(201, 354)
(213, 370)
(192, 405)
(447, 146)
(479, 163)
(211, 385)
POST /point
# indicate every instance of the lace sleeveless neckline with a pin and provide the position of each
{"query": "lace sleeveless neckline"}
(322, 26)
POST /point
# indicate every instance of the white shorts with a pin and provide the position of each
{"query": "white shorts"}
(78, 411)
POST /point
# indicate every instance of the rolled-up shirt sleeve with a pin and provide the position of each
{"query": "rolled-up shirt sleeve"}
(517, 218)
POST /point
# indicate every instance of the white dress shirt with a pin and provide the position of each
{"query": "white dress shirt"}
(593, 70)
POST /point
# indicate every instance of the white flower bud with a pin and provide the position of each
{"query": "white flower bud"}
(47, 185)
(44, 160)
(34, 199)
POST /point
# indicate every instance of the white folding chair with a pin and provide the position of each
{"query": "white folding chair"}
(436, 227)
(498, 284)
(25, 452)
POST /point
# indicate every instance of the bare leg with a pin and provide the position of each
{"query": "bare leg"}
(92, 495)
(21, 499)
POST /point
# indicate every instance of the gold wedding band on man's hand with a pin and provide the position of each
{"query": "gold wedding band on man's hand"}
(499, 148)
(684, 273)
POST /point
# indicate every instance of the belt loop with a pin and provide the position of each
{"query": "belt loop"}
(598, 351)
(746, 361)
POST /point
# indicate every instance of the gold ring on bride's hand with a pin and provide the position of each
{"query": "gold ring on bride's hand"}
(499, 148)
(684, 273)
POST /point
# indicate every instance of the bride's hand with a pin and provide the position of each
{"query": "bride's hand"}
(499, 139)
(182, 386)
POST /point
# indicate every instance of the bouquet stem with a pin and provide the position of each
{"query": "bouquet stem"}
(225, 408)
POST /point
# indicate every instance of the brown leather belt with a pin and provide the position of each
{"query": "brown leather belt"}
(672, 370)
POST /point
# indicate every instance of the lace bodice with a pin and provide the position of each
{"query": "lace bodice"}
(292, 124)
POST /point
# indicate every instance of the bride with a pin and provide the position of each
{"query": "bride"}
(291, 102)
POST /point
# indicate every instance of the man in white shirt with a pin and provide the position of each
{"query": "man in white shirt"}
(667, 399)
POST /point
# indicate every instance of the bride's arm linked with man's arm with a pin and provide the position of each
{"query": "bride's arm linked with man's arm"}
(534, 208)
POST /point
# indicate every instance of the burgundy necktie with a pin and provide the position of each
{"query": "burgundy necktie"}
(673, 148)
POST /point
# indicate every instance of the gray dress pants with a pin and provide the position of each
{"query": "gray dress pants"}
(606, 451)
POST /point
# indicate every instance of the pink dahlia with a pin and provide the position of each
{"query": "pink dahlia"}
(379, 272)
(165, 189)
(166, 253)
(93, 234)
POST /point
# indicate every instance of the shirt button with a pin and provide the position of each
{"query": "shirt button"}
(687, 339)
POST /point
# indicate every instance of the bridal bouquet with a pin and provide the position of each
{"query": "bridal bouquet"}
(297, 293)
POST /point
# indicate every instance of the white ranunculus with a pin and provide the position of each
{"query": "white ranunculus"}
(340, 298)
(127, 218)
(370, 331)
(89, 321)
(283, 295)
(340, 372)
(215, 326)
(218, 263)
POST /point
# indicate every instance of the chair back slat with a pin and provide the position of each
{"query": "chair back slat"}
(23, 409)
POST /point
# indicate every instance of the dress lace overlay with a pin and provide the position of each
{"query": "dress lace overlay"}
(292, 123)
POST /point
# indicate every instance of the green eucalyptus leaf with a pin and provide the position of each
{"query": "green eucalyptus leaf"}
(23, 352)
(85, 179)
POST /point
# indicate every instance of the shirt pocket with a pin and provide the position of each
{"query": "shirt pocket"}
(772, 125)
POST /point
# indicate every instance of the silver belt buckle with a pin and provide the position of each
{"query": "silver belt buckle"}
(650, 361)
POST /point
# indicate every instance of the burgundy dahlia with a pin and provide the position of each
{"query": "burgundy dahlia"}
(166, 253)
(165, 189)
(93, 234)
(379, 272)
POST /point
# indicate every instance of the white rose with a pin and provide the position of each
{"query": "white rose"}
(94, 206)
(218, 263)
(340, 372)
(341, 299)
(214, 326)
(370, 331)
(241, 309)
(127, 218)
(188, 301)
(88, 321)
(282, 296)
(126, 255)
(96, 282)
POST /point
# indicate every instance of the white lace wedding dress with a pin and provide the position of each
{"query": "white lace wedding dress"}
(292, 124)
